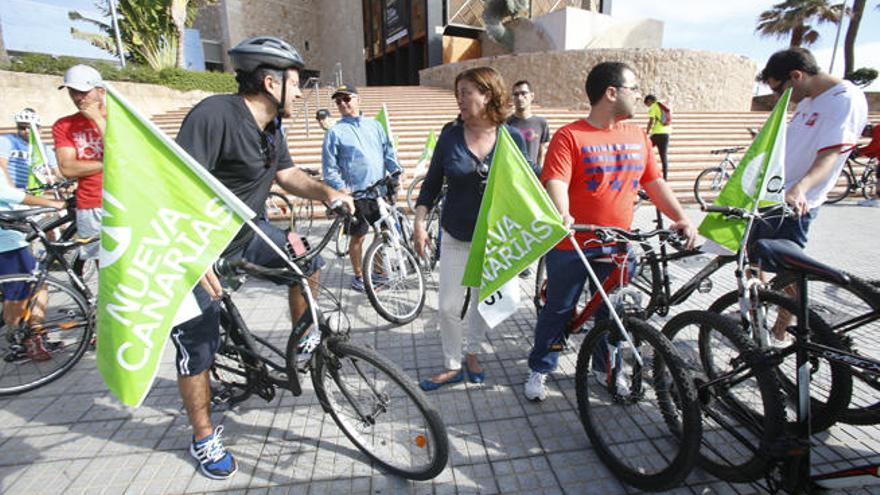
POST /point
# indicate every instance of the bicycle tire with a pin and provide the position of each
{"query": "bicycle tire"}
(341, 363)
(411, 194)
(432, 225)
(844, 181)
(853, 312)
(390, 270)
(740, 417)
(676, 446)
(869, 179)
(279, 210)
(67, 317)
(832, 383)
(340, 247)
(229, 368)
(709, 184)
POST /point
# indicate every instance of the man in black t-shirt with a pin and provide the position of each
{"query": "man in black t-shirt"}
(239, 139)
(533, 128)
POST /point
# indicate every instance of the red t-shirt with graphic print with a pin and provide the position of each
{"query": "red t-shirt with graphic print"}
(80, 133)
(603, 168)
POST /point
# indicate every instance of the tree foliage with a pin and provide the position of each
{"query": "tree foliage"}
(862, 77)
(794, 19)
(151, 30)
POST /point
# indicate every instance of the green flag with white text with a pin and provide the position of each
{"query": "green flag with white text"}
(430, 144)
(38, 169)
(383, 118)
(757, 180)
(517, 222)
(165, 220)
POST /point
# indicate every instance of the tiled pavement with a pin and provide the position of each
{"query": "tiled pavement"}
(73, 437)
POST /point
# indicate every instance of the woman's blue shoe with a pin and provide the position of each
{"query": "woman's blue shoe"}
(428, 385)
(476, 377)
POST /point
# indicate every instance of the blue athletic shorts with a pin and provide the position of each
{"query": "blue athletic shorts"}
(14, 262)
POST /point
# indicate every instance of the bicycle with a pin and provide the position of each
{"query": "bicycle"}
(61, 316)
(392, 271)
(711, 180)
(660, 403)
(849, 181)
(370, 398)
(432, 222)
(780, 452)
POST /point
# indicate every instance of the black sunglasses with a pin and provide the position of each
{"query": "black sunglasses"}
(340, 99)
(267, 149)
(779, 87)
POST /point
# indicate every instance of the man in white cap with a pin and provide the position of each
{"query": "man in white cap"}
(79, 148)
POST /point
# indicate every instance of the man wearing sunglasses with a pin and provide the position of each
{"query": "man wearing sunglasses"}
(825, 127)
(356, 154)
(15, 152)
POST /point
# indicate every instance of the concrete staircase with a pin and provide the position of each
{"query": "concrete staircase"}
(416, 110)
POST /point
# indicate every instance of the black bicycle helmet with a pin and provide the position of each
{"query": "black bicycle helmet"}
(322, 114)
(265, 51)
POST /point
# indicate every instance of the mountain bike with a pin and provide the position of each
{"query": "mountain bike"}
(849, 181)
(369, 397)
(394, 276)
(711, 180)
(657, 415)
(56, 317)
(745, 434)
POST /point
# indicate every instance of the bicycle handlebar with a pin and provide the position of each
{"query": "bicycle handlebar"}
(727, 151)
(607, 234)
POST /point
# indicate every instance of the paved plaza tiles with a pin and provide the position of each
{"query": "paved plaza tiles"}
(72, 437)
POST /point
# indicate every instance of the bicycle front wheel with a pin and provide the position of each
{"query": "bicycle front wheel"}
(412, 192)
(53, 335)
(831, 382)
(741, 399)
(841, 188)
(380, 410)
(869, 179)
(709, 184)
(394, 281)
(301, 220)
(648, 437)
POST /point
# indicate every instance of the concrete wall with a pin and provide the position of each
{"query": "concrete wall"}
(41, 93)
(573, 29)
(689, 80)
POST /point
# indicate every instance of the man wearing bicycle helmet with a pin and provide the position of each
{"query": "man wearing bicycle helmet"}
(239, 138)
(15, 152)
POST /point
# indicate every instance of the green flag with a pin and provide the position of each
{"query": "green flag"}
(38, 171)
(383, 118)
(517, 222)
(430, 144)
(756, 182)
(165, 220)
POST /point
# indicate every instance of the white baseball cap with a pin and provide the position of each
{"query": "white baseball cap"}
(82, 78)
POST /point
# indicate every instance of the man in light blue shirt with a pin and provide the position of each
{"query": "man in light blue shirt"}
(356, 154)
(15, 257)
(15, 158)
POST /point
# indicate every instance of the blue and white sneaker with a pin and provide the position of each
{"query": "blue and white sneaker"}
(357, 284)
(307, 345)
(214, 461)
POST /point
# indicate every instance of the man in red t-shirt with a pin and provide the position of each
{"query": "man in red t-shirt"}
(593, 170)
(79, 148)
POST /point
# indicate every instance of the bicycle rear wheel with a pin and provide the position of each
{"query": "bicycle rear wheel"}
(651, 438)
(853, 312)
(57, 322)
(841, 188)
(394, 281)
(831, 382)
(709, 184)
(380, 410)
(741, 400)
(869, 179)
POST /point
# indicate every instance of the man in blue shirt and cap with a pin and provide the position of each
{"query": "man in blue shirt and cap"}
(356, 154)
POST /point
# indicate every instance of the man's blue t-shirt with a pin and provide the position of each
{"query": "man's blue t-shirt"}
(15, 150)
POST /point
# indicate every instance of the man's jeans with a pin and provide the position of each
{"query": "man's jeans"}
(566, 276)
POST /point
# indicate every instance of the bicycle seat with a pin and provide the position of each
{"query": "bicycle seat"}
(784, 255)
(723, 151)
(20, 215)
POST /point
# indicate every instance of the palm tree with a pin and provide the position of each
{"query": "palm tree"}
(852, 30)
(794, 17)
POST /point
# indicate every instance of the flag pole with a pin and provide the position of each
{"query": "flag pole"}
(605, 298)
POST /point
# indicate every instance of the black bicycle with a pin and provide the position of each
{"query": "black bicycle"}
(857, 174)
(370, 398)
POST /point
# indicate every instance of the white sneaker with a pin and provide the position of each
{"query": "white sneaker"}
(873, 202)
(534, 388)
(308, 345)
(621, 385)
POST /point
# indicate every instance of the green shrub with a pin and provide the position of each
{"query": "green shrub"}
(179, 79)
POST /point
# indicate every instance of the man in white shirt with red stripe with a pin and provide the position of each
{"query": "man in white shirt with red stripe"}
(826, 126)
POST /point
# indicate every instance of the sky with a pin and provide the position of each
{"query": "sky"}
(729, 26)
(43, 26)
